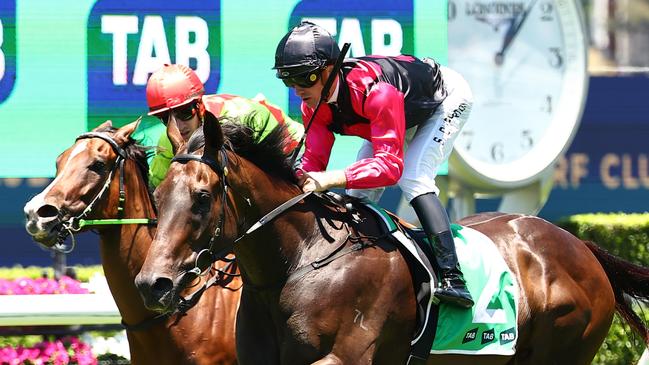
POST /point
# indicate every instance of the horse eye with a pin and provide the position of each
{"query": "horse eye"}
(97, 166)
(202, 200)
(203, 195)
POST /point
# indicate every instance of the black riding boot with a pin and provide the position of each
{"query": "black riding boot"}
(434, 221)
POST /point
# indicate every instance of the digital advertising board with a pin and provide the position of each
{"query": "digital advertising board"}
(68, 65)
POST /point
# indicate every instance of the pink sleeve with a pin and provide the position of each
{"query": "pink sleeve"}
(319, 139)
(384, 107)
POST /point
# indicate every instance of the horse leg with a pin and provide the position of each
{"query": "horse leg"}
(330, 359)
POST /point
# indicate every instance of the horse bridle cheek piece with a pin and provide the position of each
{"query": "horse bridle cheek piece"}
(221, 170)
(75, 224)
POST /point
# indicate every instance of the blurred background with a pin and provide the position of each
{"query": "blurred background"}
(68, 65)
(46, 101)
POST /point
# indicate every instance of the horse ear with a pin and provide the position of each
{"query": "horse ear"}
(104, 125)
(212, 131)
(122, 134)
(174, 135)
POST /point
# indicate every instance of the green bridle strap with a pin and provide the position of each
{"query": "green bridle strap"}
(100, 222)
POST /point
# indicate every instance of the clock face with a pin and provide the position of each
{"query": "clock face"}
(526, 64)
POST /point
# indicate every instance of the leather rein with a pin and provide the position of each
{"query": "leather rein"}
(359, 242)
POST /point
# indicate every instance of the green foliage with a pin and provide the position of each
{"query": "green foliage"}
(626, 236)
(622, 346)
(83, 273)
(25, 341)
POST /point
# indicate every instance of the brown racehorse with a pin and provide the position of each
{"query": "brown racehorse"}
(214, 195)
(205, 334)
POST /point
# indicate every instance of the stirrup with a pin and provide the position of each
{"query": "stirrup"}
(457, 294)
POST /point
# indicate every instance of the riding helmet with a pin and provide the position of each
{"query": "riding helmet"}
(172, 86)
(306, 48)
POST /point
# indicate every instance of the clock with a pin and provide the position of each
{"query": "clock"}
(526, 64)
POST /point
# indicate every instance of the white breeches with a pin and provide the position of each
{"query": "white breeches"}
(429, 144)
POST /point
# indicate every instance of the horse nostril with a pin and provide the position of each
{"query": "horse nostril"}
(161, 286)
(47, 211)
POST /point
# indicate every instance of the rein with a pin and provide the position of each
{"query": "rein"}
(359, 241)
(75, 224)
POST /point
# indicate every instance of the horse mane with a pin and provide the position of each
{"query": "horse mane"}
(136, 152)
(267, 153)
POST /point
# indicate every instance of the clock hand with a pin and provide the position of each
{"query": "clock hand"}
(514, 29)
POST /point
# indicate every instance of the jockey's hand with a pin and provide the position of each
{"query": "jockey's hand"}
(323, 180)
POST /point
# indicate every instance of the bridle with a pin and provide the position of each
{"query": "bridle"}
(75, 224)
(221, 169)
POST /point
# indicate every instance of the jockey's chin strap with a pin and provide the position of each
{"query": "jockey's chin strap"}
(75, 224)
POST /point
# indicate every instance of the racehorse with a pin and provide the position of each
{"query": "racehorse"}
(360, 307)
(88, 183)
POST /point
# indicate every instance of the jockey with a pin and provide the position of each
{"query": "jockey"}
(393, 103)
(176, 91)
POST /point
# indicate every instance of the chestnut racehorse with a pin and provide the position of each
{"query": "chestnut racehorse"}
(205, 333)
(217, 195)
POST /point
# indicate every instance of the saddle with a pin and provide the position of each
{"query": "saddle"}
(490, 327)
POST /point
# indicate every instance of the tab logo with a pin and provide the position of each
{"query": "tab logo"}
(7, 48)
(507, 336)
(128, 41)
(372, 28)
(470, 335)
(488, 336)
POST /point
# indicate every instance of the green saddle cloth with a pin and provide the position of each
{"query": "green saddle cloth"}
(490, 327)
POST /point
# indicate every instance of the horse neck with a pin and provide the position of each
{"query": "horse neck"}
(123, 250)
(124, 247)
(266, 255)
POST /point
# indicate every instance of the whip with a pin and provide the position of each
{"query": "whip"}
(323, 96)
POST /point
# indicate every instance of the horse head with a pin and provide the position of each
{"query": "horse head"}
(217, 186)
(84, 173)
(193, 197)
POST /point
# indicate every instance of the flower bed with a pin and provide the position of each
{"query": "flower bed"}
(67, 350)
(89, 348)
(23, 286)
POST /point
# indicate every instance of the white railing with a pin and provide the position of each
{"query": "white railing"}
(58, 309)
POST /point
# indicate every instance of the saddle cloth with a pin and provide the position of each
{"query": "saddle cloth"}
(490, 326)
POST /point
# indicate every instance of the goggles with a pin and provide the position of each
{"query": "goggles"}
(183, 113)
(305, 81)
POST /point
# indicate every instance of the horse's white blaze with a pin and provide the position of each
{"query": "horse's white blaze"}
(32, 206)
(77, 150)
